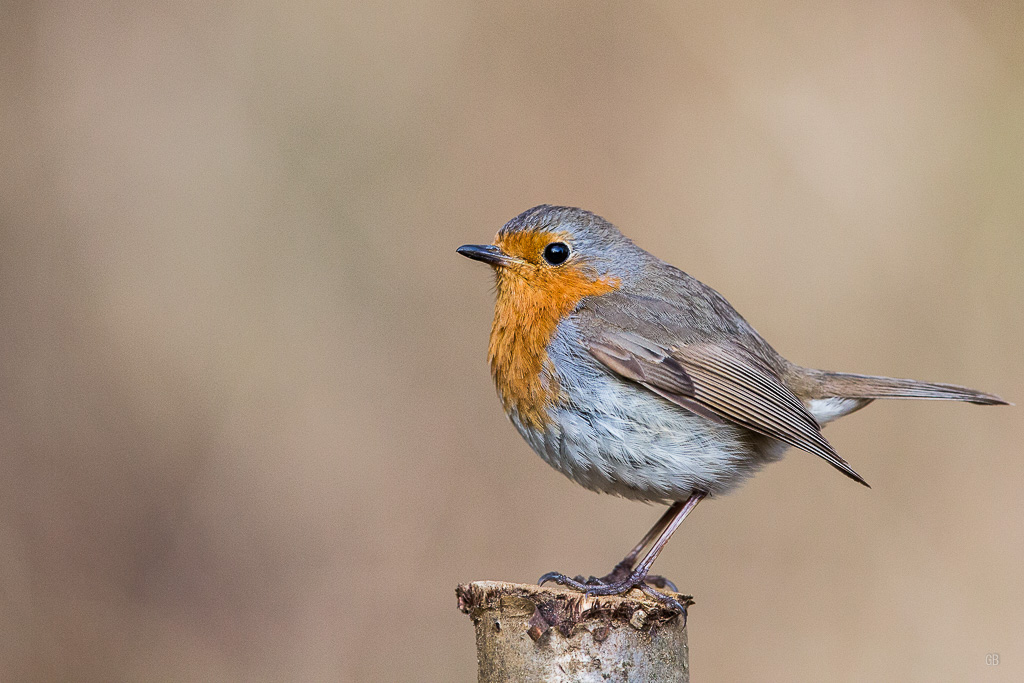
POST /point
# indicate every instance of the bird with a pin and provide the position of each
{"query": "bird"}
(633, 378)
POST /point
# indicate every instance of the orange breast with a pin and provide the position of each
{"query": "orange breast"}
(530, 304)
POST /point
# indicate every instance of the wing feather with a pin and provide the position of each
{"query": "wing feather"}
(719, 382)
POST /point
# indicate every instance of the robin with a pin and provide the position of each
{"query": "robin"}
(631, 377)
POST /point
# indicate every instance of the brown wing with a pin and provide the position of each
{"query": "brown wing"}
(719, 382)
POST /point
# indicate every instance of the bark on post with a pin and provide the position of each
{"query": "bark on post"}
(534, 633)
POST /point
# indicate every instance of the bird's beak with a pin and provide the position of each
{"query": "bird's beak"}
(488, 253)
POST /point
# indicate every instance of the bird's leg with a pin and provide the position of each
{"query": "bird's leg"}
(623, 568)
(636, 577)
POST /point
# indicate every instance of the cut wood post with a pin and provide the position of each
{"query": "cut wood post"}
(552, 634)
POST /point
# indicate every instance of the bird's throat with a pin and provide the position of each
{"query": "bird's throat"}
(527, 312)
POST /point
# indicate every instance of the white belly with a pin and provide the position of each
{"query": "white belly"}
(640, 446)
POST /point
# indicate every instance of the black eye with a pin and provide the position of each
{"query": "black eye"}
(556, 253)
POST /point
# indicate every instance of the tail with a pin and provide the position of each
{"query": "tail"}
(845, 385)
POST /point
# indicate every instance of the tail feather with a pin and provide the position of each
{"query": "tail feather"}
(846, 385)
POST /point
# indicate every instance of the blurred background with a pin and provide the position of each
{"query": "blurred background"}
(247, 430)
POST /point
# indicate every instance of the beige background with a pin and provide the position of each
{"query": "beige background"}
(246, 426)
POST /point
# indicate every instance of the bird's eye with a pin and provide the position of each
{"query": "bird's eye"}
(556, 253)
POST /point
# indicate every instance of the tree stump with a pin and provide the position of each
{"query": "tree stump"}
(552, 634)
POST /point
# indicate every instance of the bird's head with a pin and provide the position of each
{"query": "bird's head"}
(562, 253)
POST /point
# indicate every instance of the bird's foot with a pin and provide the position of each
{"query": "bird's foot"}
(619, 582)
(620, 573)
(623, 570)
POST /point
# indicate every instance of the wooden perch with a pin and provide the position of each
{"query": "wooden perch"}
(535, 633)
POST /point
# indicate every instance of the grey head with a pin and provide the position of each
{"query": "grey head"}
(549, 236)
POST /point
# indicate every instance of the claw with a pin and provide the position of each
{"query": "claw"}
(664, 600)
(563, 580)
(661, 582)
